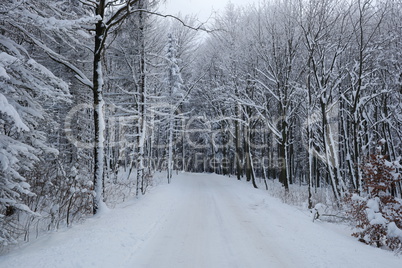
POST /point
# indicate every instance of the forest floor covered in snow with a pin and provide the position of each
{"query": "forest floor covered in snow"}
(201, 220)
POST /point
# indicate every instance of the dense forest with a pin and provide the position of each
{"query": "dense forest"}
(97, 96)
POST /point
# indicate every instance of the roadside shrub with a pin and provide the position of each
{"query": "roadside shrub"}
(376, 213)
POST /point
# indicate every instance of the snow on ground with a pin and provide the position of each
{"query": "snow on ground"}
(201, 220)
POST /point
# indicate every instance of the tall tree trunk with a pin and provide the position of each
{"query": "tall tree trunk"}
(329, 152)
(99, 122)
(170, 149)
(239, 169)
(141, 105)
(283, 177)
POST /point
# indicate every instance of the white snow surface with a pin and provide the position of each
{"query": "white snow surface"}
(201, 220)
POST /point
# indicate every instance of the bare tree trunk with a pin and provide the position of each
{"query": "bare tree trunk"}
(283, 177)
(98, 108)
(141, 105)
(238, 154)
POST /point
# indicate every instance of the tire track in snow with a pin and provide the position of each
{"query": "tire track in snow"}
(210, 228)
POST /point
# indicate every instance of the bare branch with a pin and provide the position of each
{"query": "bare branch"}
(196, 28)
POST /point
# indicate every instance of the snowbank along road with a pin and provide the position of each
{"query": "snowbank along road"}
(201, 220)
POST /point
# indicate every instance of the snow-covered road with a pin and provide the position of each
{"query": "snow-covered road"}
(210, 226)
(201, 220)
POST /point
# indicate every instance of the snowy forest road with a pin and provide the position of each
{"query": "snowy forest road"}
(201, 220)
(211, 227)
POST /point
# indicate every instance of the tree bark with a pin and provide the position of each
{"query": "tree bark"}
(99, 122)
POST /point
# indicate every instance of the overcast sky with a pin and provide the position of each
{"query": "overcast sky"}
(201, 8)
